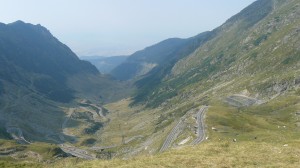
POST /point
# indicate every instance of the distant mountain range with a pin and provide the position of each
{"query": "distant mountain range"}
(141, 62)
(105, 64)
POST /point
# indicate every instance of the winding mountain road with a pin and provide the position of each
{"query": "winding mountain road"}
(17, 134)
(100, 148)
(201, 126)
(76, 152)
(64, 125)
(97, 109)
(12, 123)
(239, 100)
(171, 137)
(176, 130)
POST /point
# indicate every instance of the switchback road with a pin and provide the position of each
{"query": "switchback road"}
(201, 126)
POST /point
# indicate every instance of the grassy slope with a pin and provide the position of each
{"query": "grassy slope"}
(220, 154)
(31, 156)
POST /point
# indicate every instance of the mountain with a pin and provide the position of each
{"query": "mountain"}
(143, 61)
(39, 76)
(26, 48)
(233, 49)
(105, 64)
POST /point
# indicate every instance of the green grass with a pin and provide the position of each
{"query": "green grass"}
(269, 122)
(27, 156)
(16, 164)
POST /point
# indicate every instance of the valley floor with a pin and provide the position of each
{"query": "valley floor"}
(265, 135)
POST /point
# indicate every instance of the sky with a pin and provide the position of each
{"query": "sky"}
(120, 27)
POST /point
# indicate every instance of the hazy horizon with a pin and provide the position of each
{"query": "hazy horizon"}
(108, 28)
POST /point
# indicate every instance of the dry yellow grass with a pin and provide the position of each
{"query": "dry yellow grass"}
(209, 154)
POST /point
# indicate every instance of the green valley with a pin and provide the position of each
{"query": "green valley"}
(229, 97)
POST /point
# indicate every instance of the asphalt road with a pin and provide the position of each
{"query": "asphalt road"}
(170, 138)
(76, 152)
(200, 130)
(100, 148)
(239, 100)
(12, 125)
(17, 134)
(201, 126)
